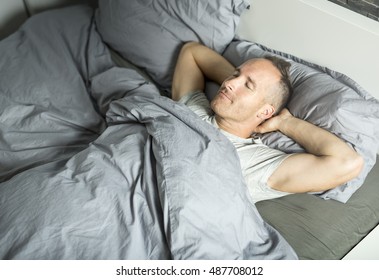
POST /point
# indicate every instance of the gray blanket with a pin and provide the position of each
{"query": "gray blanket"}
(47, 112)
(96, 164)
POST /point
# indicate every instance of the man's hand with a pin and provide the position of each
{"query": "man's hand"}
(274, 123)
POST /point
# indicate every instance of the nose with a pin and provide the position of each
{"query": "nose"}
(227, 85)
(231, 83)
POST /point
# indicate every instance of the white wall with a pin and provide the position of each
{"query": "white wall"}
(318, 31)
(12, 15)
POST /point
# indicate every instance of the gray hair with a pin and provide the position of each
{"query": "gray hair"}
(284, 89)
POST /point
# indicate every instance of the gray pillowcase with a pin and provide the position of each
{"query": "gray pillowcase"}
(328, 99)
(150, 33)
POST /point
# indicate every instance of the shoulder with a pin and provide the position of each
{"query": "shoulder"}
(196, 97)
(198, 103)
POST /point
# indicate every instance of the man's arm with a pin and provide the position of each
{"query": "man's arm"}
(328, 163)
(195, 62)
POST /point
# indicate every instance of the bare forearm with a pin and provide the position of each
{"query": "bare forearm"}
(213, 65)
(194, 62)
(329, 161)
(315, 140)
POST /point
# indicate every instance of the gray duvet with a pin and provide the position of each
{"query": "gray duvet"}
(95, 164)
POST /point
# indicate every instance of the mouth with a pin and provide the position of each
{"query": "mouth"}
(223, 94)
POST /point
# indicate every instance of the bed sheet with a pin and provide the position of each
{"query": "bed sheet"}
(325, 229)
(97, 165)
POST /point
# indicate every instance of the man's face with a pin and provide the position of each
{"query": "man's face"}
(242, 95)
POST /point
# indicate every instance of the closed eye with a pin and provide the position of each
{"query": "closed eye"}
(250, 84)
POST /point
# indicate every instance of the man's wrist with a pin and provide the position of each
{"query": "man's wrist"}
(287, 123)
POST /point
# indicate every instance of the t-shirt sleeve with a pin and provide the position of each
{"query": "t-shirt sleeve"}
(261, 166)
(198, 103)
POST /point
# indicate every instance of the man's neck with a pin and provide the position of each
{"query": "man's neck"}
(237, 129)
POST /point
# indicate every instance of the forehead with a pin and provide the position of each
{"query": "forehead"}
(260, 70)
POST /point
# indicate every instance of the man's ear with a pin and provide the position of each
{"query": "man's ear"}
(266, 112)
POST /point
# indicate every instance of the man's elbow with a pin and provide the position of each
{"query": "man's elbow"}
(354, 165)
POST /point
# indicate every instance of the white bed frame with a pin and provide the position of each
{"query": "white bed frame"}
(315, 30)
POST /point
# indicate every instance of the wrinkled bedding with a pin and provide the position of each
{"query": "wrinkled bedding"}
(46, 106)
(95, 164)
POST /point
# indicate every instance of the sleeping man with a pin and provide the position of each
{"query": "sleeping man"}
(251, 100)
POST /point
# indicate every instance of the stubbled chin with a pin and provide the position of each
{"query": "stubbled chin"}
(214, 104)
(217, 104)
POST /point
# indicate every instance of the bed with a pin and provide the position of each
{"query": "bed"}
(95, 161)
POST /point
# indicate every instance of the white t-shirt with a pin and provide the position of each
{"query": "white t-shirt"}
(258, 161)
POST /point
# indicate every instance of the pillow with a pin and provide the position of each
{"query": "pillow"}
(327, 99)
(150, 33)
